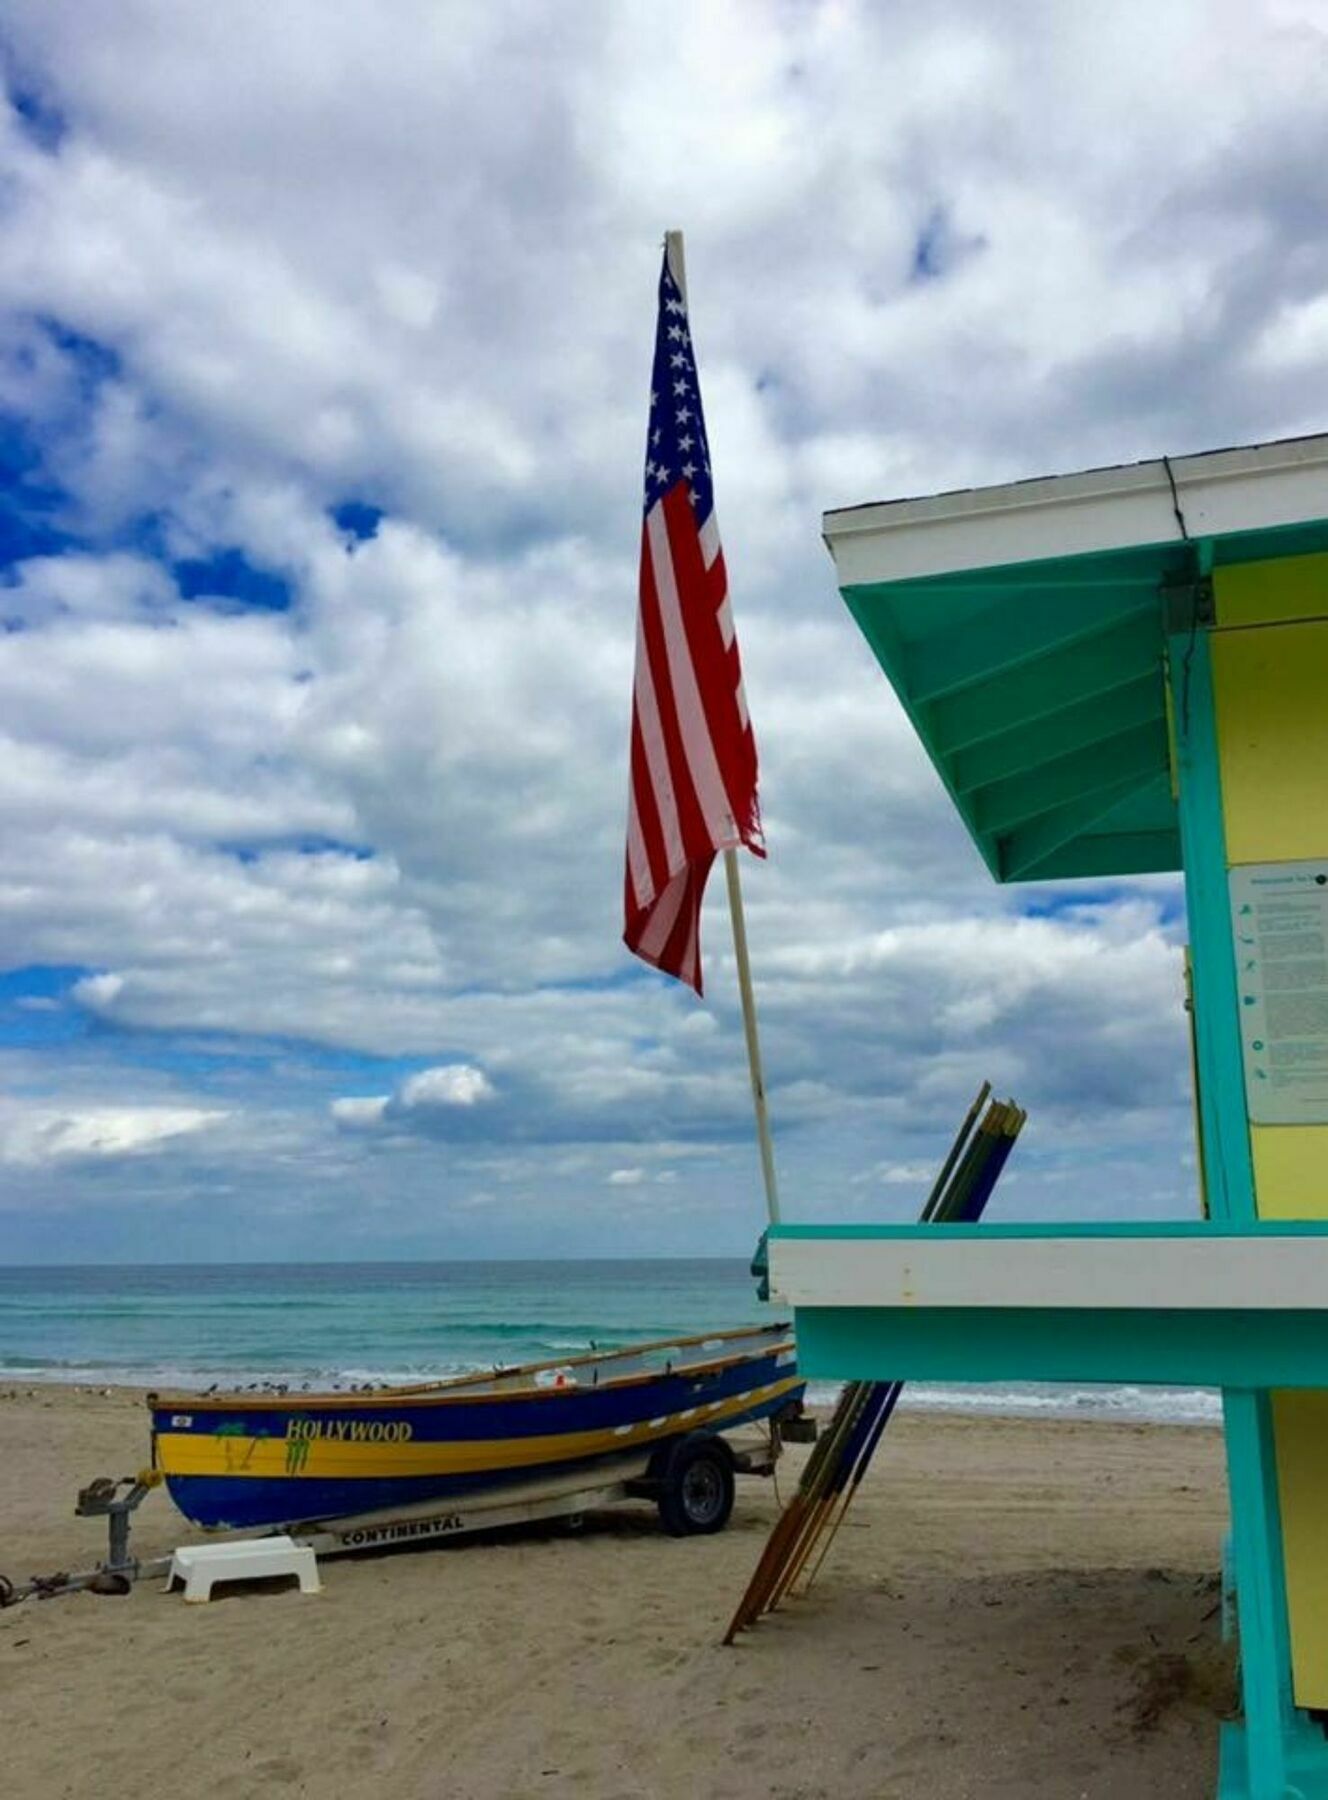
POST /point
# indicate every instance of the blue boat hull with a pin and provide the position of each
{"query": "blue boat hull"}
(233, 1463)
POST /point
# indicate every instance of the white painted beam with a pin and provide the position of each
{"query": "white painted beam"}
(1092, 1274)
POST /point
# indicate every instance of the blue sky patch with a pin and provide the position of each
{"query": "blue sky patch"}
(33, 505)
(1073, 900)
(207, 1057)
(358, 518)
(45, 981)
(95, 362)
(35, 1009)
(38, 1010)
(1056, 905)
(28, 502)
(312, 845)
(229, 575)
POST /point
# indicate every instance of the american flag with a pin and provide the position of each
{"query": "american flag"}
(693, 774)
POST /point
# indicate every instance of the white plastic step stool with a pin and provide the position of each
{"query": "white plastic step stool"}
(244, 1559)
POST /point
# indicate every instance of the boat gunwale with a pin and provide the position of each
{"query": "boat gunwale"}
(447, 1392)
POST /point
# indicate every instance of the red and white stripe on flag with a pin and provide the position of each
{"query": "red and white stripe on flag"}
(693, 754)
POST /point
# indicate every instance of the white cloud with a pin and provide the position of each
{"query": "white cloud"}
(99, 992)
(455, 1084)
(364, 1113)
(912, 1174)
(48, 589)
(31, 1138)
(421, 1098)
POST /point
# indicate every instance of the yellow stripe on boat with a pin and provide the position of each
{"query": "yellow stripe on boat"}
(317, 1458)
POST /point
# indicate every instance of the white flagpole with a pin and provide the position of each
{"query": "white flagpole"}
(753, 1041)
(673, 249)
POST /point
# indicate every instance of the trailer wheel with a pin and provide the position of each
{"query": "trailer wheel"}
(696, 1497)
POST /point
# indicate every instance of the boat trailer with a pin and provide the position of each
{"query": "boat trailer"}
(690, 1480)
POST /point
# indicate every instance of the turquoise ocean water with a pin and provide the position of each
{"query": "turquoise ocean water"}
(331, 1324)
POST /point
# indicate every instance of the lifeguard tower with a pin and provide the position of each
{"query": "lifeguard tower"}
(1118, 672)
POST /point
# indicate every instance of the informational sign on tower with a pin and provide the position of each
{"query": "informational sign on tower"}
(1279, 921)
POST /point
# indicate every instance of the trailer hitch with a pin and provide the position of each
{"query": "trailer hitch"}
(101, 1498)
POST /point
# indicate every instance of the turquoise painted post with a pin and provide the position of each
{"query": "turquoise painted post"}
(1265, 1655)
(1260, 1607)
(1222, 1118)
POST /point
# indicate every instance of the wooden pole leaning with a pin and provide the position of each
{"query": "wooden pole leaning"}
(844, 1452)
(1012, 1125)
(879, 1398)
(860, 1401)
(794, 1520)
(771, 1558)
(798, 1526)
(886, 1396)
(956, 1149)
(673, 249)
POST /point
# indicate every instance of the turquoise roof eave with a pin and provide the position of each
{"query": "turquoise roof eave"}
(1037, 688)
(1037, 691)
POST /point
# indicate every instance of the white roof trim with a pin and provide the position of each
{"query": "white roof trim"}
(1221, 491)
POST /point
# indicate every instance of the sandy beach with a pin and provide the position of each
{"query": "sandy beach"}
(1016, 1609)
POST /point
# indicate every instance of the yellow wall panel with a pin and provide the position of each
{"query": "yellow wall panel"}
(1261, 593)
(1300, 1431)
(1271, 691)
(1291, 1172)
(1271, 697)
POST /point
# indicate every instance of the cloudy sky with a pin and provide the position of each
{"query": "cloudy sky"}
(324, 353)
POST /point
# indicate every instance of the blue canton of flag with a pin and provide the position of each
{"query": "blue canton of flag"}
(676, 445)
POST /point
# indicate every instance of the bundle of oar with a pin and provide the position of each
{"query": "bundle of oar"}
(806, 1528)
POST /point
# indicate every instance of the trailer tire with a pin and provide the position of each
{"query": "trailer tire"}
(696, 1495)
